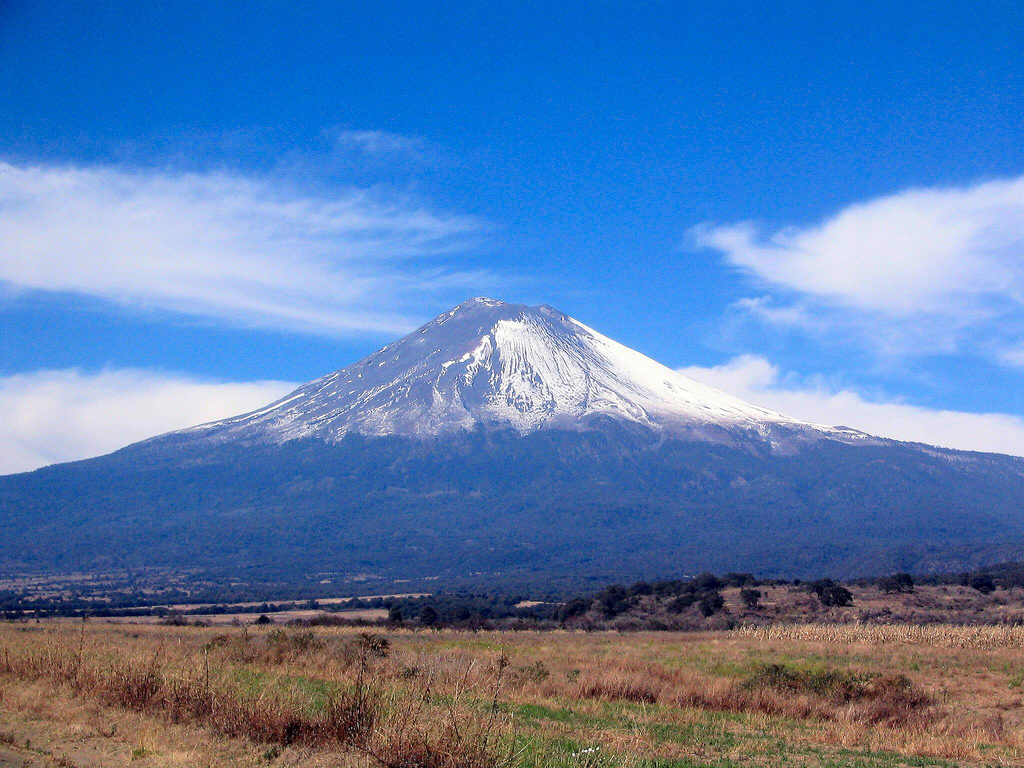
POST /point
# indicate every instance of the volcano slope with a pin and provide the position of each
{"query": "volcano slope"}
(508, 441)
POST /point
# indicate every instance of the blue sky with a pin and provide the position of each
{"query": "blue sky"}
(818, 206)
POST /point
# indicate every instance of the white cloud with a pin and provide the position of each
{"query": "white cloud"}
(380, 142)
(62, 415)
(1013, 356)
(755, 379)
(235, 249)
(939, 267)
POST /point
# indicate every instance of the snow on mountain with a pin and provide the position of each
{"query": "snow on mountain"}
(501, 365)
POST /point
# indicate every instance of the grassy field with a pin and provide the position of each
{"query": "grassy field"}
(840, 696)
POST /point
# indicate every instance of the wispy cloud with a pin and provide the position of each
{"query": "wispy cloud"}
(62, 415)
(1013, 356)
(939, 267)
(757, 380)
(380, 142)
(241, 250)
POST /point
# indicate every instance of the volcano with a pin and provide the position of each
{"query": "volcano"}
(513, 442)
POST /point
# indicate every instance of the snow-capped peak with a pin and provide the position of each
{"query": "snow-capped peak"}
(496, 365)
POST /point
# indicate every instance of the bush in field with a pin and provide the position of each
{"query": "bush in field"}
(706, 582)
(710, 603)
(681, 603)
(896, 694)
(982, 582)
(739, 580)
(613, 600)
(575, 607)
(899, 583)
(751, 598)
(641, 588)
(830, 594)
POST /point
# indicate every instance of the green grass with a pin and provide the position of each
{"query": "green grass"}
(714, 732)
(706, 659)
(477, 644)
(704, 732)
(1016, 679)
(853, 759)
(313, 693)
(534, 751)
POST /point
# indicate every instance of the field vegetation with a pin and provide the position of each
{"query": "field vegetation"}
(840, 695)
(701, 602)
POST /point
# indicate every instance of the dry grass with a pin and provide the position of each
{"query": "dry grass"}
(934, 635)
(773, 689)
(809, 695)
(350, 715)
(151, 687)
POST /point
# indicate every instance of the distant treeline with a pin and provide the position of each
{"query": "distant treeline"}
(699, 596)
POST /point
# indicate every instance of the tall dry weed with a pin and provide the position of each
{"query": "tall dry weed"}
(989, 637)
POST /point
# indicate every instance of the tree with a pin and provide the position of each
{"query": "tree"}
(706, 582)
(830, 594)
(733, 579)
(898, 582)
(641, 588)
(710, 604)
(575, 607)
(681, 603)
(395, 614)
(428, 616)
(981, 582)
(613, 600)
(751, 598)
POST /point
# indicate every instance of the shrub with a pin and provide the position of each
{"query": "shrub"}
(706, 582)
(981, 582)
(751, 598)
(829, 593)
(535, 673)
(612, 600)
(641, 588)
(681, 603)
(575, 607)
(892, 698)
(710, 603)
(372, 646)
(739, 580)
(835, 684)
(899, 583)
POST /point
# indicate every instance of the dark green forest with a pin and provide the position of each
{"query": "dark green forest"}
(553, 508)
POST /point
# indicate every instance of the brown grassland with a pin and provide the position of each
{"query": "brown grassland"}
(844, 696)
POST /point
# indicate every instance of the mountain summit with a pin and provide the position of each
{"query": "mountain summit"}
(489, 364)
